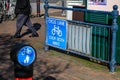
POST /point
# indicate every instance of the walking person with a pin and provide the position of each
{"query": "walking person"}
(23, 11)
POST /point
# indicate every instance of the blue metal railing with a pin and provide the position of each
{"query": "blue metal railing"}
(111, 31)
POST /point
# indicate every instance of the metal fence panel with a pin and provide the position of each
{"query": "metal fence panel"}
(101, 36)
(101, 43)
(79, 38)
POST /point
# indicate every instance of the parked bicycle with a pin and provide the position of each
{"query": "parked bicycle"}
(6, 10)
(1, 11)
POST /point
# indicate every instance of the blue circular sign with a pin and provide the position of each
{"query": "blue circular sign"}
(26, 55)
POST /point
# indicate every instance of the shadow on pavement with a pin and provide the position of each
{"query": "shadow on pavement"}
(6, 65)
(49, 78)
(45, 68)
(37, 26)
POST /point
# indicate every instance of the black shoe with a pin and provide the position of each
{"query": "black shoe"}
(34, 35)
(17, 36)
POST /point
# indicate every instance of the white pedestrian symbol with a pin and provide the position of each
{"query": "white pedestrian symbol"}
(26, 59)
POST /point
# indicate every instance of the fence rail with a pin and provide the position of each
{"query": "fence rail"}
(93, 40)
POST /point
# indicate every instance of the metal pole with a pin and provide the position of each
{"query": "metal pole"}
(63, 5)
(114, 29)
(46, 47)
(38, 8)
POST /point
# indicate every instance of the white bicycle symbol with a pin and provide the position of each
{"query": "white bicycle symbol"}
(26, 52)
(57, 31)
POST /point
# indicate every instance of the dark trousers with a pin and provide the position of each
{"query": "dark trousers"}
(24, 20)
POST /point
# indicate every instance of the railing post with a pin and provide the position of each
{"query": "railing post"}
(114, 29)
(38, 8)
(46, 47)
(63, 5)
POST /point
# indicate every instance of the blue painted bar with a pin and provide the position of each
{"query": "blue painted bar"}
(76, 9)
(46, 47)
(114, 29)
(86, 23)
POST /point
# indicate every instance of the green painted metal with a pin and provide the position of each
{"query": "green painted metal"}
(100, 43)
(101, 39)
(118, 41)
(100, 36)
(96, 18)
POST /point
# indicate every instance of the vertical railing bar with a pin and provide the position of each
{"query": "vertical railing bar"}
(103, 40)
(69, 32)
(107, 35)
(46, 15)
(68, 37)
(95, 43)
(93, 39)
(86, 38)
(109, 44)
(90, 42)
(78, 37)
(71, 35)
(114, 29)
(75, 36)
(99, 34)
(84, 35)
(82, 39)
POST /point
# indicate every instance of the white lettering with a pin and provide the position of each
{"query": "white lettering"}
(52, 37)
(52, 21)
(56, 43)
(61, 23)
(60, 39)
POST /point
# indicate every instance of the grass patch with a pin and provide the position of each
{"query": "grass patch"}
(36, 44)
(78, 61)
